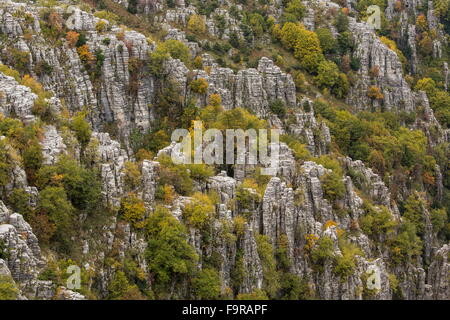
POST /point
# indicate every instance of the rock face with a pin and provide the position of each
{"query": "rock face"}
(52, 146)
(315, 134)
(372, 53)
(15, 99)
(22, 258)
(251, 88)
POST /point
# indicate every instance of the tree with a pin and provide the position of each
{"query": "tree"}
(81, 185)
(82, 128)
(32, 159)
(270, 275)
(296, 9)
(8, 289)
(120, 288)
(133, 210)
(85, 55)
(54, 204)
(199, 211)
(176, 49)
(305, 43)
(327, 41)
(375, 93)
(199, 86)
(196, 24)
(327, 74)
(168, 254)
(207, 285)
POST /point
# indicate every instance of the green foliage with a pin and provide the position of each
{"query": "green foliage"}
(257, 294)
(278, 107)
(4, 251)
(439, 100)
(19, 199)
(376, 221)
(199, 86)
(328, 76)
(207, 285)
(438, 219)
(414, 211)
(54, 204)
(121, 289)
(199, 211)
(282, 254)
(81, 185)
(169, 255)
(327, 41)
(293, 287)
(81, 128)
(238, 271)
(305, 43)
(407, 244)
(271, 283)
(346, 264)
(132, 209)
(32, 159)
(333, 186)
(175, 175)
(341, 22)
(294, 11)
(176, 49)
(8, 290)
(321, 253)
(246, 198)
(200, 172)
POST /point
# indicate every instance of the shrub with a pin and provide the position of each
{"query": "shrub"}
(305, 43)
(81, 128)
(375, 93)
(333, 186)
(407, 244)
(200, 172)
(175, 175)
(207, 285)
(132, 209)
(199, 86)
(293, 287)
(257, 294)
(168, 254)
(82, 185)
(8, 290)
(246, 198)
(278, 107)
(199, 211)
(215, 99)
(301, 153)
(120, 288)
(438, 219)
(376, 221)
(327, 41)
(196, 24)
(345, 264)
(53, 203)
(322, 252)
(133, 175)
(266, 253)
(85, 55)
(176, 49)
(101, 26)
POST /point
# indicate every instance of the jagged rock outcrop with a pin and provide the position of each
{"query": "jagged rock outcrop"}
(15, 99)
(252, 88)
